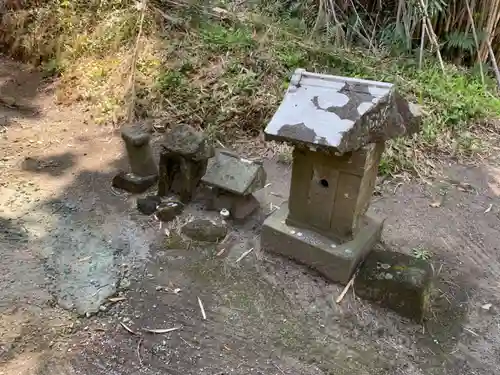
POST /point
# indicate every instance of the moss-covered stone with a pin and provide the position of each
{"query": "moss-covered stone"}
(204, 230)
(397, 281)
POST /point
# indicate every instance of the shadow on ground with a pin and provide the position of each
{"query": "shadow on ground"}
(265, 314)
(54, 165)
(19, 87)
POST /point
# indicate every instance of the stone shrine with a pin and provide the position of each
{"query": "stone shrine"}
(183, 161)
(234, 180)
(338, 127)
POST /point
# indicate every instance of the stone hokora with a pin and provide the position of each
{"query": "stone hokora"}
(234, 180)
(338, 126)
(183, 161)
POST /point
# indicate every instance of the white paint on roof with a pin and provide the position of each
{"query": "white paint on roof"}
(298, 106)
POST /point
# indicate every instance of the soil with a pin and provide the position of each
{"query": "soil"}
(83, 273)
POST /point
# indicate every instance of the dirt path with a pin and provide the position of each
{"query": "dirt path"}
(67, 239)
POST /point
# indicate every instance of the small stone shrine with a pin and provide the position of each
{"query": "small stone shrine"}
(183, 161)
(234, 180)
(338, 127)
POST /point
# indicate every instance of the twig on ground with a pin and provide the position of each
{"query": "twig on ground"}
(346, 289)
(244, 255)
(187, 343)
(221, 252)
(279, 368)
(203, 314)
(128, 329)
(471, 331)
(139, 351)
(161, 330)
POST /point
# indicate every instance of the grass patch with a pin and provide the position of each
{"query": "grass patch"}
(227, 75)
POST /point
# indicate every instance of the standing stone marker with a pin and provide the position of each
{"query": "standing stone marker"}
(143, 170)
(338, 126)
(234, 180)
(183, 161)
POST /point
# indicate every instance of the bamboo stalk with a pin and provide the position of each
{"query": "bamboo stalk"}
(494, 63)
(473, 26)
(422, 43)
(432, 34)
(491, 24)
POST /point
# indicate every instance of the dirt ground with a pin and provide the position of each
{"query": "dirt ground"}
(68, 243)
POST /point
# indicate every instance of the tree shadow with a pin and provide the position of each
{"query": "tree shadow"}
(54, 165)
(19, 87)
(94, 231)
(12, 230)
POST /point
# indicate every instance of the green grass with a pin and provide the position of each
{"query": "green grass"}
(229, 76)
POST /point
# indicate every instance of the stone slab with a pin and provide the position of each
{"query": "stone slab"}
(341, 114)
(235, 174)
(133, 183)
(397, 281)
(336, 261)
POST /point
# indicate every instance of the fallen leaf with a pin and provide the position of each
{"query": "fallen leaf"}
(486, 306)
(436, 204)
(116, 299)
(464, 186)
(244, 255)
(161, 330)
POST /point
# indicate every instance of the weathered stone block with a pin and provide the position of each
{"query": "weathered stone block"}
(183, 162)
(204, 230)
(148, 205)
(133, 183)
(185, 141)
(397, 281)
(335, 261)
(167, 211)
(136, 137)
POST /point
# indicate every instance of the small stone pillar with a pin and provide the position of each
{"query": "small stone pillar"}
(234, 180)
(338, 126)
(140, 155)
(143, 169)
(183, 162)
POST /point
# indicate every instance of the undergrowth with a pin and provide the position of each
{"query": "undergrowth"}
(226, 72)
